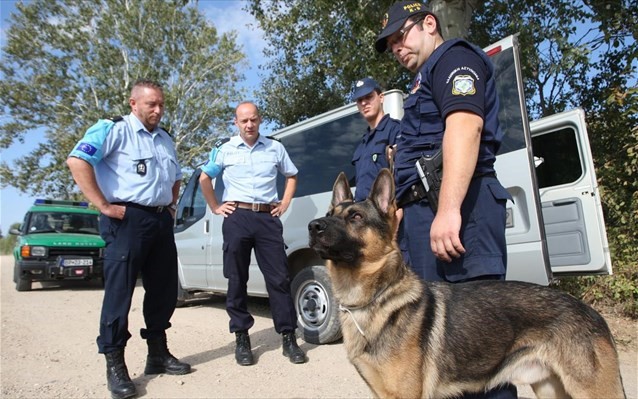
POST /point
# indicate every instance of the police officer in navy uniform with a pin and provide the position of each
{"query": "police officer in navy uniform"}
(371, 155)
(452, 106)
(251, 209)
(129, 171)
(377, 145)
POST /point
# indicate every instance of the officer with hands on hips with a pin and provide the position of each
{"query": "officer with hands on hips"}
(129, 171)
(251, 209)
(452, 107)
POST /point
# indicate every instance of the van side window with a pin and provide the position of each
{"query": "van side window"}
(561, 158)
(322, 152)
(509, 115)
(192, 205)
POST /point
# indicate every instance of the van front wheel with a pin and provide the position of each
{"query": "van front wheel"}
(317, 313)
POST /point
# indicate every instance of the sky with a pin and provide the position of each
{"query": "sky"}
(223, 14)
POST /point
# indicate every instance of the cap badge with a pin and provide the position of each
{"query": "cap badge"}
(359, 83)
(384, 21)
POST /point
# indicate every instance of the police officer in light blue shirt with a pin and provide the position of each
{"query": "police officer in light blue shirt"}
(127, 167)
(250, 163)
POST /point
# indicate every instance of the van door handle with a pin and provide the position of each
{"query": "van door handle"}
(207, 226)
(568, 201)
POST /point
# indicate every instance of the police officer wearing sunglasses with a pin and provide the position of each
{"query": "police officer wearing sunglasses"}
(452, 107)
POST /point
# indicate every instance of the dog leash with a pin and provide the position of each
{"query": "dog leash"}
(344, 309)
(350, 308)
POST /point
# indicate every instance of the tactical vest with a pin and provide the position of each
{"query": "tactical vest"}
(422, 125)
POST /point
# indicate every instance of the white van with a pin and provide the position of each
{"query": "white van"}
(555, 224)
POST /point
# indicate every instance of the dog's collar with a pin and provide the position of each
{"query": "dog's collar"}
(349, 309)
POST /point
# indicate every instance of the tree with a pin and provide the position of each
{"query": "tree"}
(68, 63)
(319, 49)
(7, 243)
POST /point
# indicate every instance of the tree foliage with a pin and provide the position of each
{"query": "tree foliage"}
(316, 51)
(319, 49)
(67, 63)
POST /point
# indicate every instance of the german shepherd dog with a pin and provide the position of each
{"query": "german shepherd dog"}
(413, 339)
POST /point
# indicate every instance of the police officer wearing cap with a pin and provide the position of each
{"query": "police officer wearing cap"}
(370, 156)
(128, 169)
(251, 209)
(452, 106)
(377, 145)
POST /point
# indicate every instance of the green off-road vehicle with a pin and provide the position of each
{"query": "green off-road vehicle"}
(58, 240)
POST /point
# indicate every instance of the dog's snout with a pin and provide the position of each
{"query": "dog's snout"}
(316, 226)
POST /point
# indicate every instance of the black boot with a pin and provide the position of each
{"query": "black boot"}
(160, 360)
(117, 378)
(291, 349)
(243, 354)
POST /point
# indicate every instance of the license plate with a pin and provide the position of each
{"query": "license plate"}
(77, 262)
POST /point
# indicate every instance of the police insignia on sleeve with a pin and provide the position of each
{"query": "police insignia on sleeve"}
(87, 148)
(463, 85)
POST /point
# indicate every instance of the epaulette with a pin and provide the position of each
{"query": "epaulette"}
(115, 118)
(273, 138)
(166, 130)
(220, 142)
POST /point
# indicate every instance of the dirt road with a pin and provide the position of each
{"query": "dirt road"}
(48, 350)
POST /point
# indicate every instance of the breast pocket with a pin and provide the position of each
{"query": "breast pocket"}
(378, 154)
(420, 117)
(430, 118)
(265, 164)
(142, 162)
(410, 121)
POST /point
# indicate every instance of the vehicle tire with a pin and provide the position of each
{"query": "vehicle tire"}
(317, 310)
(23, 284)
(182, 295)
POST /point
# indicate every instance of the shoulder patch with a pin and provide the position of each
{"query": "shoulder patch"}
(222, 141)
(273, 138)
(463, 85)
(166, 130)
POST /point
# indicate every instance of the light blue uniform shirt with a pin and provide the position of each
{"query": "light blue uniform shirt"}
(116, 153)
(250, 174)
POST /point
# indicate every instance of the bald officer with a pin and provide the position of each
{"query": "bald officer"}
(251, 209)
(127, 167)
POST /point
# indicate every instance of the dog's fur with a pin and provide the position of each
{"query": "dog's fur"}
(408, 338)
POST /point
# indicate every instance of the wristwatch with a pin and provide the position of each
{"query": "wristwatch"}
(173, 206)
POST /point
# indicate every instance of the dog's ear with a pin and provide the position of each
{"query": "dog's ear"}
(382, 193)
(341, 190)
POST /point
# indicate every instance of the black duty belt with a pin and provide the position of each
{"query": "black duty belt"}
(255, 207)
(417, 191)
(153, 209)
